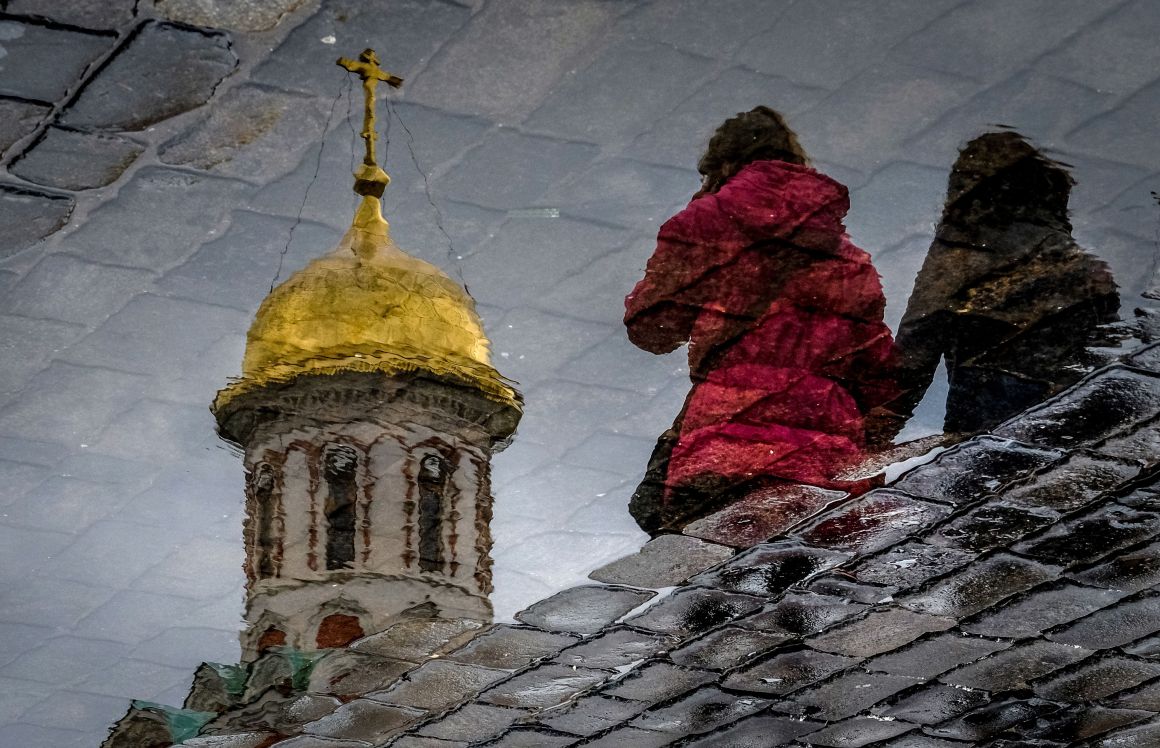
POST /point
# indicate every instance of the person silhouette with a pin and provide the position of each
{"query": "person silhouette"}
(1005, 295)
(788, 353)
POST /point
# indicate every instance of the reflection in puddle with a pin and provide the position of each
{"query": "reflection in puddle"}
(368, 412)
(796, 378)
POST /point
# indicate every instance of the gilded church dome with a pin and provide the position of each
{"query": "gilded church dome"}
(369, 307)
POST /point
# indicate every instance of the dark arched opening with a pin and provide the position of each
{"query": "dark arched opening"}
(340, 470)
(432, 490)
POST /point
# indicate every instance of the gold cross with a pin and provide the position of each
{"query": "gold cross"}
(367, 68)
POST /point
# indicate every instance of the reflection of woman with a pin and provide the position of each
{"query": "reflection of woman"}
(1005, 294)
(783, 315)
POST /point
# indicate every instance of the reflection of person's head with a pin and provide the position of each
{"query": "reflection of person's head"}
(757, 135)
(1000, 178)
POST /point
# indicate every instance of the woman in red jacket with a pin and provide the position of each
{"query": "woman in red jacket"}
(788, 352)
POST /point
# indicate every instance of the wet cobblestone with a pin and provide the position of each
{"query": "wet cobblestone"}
(542, 686)
(726, 648)
(72, 160)
(693, 611)
(979, 586)
(510, 648)
(702, 711)
(786, 672)
(880, 631)
(873, 522)
(583, 610)
(663, 562)
(858, 732)
(616, 647)
(1011, 669)
(770, 569)
(802, 614)
(974, 470)
(936, 703)
(592, 714)
(936, 655)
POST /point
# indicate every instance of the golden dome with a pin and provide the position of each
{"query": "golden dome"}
(368, 307)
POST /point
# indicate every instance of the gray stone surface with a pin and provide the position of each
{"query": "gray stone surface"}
(234, 15)
(510, 648)
(663, 562)
(363, 720)
(18, 119)
(880, 631)
(29, 216)
(73, 160)
(164, 70)
(251, 133)
(43, 63)
(89, 14)
(583, 610)
(542, 686)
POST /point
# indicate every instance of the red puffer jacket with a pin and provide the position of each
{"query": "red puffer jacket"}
(783, 316)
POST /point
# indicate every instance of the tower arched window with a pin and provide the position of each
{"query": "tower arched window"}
(340, 470)
(433, 471)
(265, 508)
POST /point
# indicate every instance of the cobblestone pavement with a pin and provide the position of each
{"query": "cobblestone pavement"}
(155, 158)
(1002, 595)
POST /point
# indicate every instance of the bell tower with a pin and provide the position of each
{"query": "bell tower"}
(368, 412)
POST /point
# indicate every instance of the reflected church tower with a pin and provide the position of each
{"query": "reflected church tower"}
(368, 411)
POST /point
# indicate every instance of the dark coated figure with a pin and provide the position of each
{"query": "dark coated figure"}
(1005, 295)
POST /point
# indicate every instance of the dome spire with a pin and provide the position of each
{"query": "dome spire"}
(369, 179)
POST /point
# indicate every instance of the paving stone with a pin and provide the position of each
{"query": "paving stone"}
(657, 681)
(762, 515)
(1133, 737)
(1092, 536)
(347, 673)
(840, 585)
(1095, 409)
(72, 290)
(419, 741)
(438, 685)
(246, 15)
(309, 741)
(1097, 679)
(692, 611)
(1145, 498)
(859, 731)
(936, 703)
(993, 719)
(1115, 626)
(1140, 445)
(543, 686)
(726, 648)
(133, 91)
(418, 639)
(615, 647)
(982, 38)
(530, 737)
(126, 231)
(1148, 647)
(472, 722)
(665, 561)
(27, 346)
(240, 740)
(510, 647)
(759, 731)
(1012, 668)
(973, 470)
(75, 160)
(490, 177)
(363, 720)
(1081, 722)
(630, 70)
(704, 710)
(1073, 483)
(916, 740)
(848, 694)
(583, 610)
(592, 714)
(993, 525)
(979, 586)
(89, 14)
(873, 521)
(18, 119)
(1146, 698)
(407, 37)
(631, 736)
(802, 614)
(769, 569)
(787, 671)
(1040, 610)
(880, 631)
(251, 133)
(911, 564)
(938, 654)
(27, 216)
(539, 45)
(43, 63)
(1146, 358)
